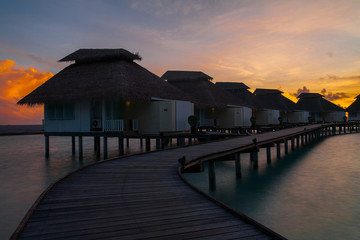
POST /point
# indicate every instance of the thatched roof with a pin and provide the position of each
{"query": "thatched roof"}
(355, 106)
(232, 85)
(273, 99)
(240, 90)
(203, 92)
(314, 102)
(185, 76)
(102, 74)
(90, 55)
(263, 91)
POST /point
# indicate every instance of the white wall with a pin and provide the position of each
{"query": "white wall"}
(164, 116)
(80, 123)
(267, 117)
(167, 115)
(354, 116)
(247, 115)
(183, 111)
(298, 117)
(335, 116)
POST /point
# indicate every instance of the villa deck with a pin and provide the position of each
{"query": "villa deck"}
(143, 197)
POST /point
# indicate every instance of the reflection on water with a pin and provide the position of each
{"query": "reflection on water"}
(312, 193)
(25, 173)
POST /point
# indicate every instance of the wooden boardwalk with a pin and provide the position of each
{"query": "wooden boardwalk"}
(141, 197)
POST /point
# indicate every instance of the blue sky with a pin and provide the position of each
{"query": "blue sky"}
(286, 45)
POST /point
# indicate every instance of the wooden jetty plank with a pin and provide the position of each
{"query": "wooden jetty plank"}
(142, 197)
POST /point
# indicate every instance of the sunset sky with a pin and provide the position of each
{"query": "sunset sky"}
(307, 45)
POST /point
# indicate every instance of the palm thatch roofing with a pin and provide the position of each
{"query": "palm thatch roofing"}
(91, 55)
(103, 74)
(273, 99)
(355, 106)
(185, 76)
(241, 91)
(203, 92)
(314, 102)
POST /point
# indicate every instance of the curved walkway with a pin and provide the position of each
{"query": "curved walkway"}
(140, 197)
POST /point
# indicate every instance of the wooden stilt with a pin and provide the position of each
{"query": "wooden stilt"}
(121, 146)
(302, 140)
(181, 141)
(297, 141)
(97, 146)
(286, 147)
(212, 176)
(47, 147)
(255, 160)
(268, 155)
(278, 153)
(80, 148)
(238, 165)
(292, 144)
(158, 141)
(147, 143)
(105, 145)
(73, 145)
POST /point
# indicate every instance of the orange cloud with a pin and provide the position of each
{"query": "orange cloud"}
(15, 83)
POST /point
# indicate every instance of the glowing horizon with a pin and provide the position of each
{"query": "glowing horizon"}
(17, 82)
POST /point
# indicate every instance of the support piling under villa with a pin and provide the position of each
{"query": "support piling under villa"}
(142, 197)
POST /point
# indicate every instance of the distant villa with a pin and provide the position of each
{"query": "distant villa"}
(105, 90)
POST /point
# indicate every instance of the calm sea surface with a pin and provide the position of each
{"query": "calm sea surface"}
(312, 193)
(25, 173)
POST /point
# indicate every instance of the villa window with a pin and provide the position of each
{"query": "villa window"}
(60, 111)
(112, 110)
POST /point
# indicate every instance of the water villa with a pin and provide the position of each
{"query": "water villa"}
(321, 110)
(213, 106)
(240, 90)
(278, 108)
(105, 90)
(354, 110)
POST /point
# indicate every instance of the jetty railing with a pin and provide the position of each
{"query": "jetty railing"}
(114, 125)
(299, 136)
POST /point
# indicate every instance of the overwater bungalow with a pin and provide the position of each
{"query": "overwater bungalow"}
(213, 106)
(354, 110)
(241, 91)
(320, 109)
(104, 90)
(279, 108)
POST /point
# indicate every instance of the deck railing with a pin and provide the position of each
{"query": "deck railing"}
(114, 126)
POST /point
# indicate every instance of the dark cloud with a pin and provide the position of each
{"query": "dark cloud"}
(299, 91)
(334, 77)
(333, 96)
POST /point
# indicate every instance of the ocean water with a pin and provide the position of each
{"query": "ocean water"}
(25, 172)
(312, 193)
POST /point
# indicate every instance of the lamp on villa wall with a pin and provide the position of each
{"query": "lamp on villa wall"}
(127, 104)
